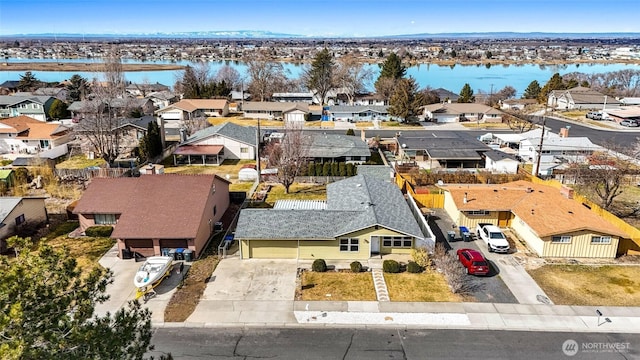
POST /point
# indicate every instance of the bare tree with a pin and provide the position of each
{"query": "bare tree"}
(266, 76)
(230, 76)
(352, 76)
(516, 122)
(385, 87)
(289, 156)
(106, 111)
(453, 271)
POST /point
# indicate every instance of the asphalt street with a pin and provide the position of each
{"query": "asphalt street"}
(388, 343)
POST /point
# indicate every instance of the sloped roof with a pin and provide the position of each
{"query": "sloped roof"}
(567, 143)
(8, 100)
(497, 155)
(584, 95)
(336, 145)
(191, 105)
(29, 128)
(381, 172)
(17, 124)
(461, 108)
(162, 95)
(445, 145)
(381, 109)
(353, 204)
(244, 134)
(168, 206)
(543, 208)
(274, 106)
(7, 204)
(142, 122)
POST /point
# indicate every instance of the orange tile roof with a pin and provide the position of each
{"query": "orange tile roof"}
(42, 131)
(543, 208)
(18, 123)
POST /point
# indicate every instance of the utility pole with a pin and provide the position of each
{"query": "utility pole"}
(258, 151)
(536, 172)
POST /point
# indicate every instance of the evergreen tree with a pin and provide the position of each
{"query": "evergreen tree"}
(58, 109)
(406, 101)
(532, 91)
(311, 169)
(342, 169)
(47, 309)
(326, 169)
(391, 71)
(335, 170)
(151, 144)
(319, 76)
(350, 169)
(555, 83)
(78, 88)
(466, 94)
(350, 132)
(190, 84)
(28, 82)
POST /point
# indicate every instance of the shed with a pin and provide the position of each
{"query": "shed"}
(7, 177)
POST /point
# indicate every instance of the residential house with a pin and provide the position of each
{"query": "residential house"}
(355, 113)
(118, 107)
(25, 135)
(9, 87)
(442, 150)
(446, 95)
(516, 104)
(550, 222)
(59, 93)
(152, 212)
(497, 161)
(212, 145)
(143, 89)
(36, 107)
(187, 109)
(580, 98)
(460, 112)
(162, 99)
(286, 111)
(364, 99)
(305, 97)
(331, 148)
(17, 213)
(367, 217)
(130, 132)
(624, 113)
(382, 172)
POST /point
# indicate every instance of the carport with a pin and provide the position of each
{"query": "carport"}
(199, 154)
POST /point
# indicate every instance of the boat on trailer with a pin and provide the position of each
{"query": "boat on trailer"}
(149, 275)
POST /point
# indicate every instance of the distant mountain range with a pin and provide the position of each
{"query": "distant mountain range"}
(257, 34)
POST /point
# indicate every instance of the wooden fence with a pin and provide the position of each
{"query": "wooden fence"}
(89, 173)
(434, 201)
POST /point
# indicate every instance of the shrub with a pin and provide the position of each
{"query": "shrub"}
(311, 170)
(421, 256)
(319, 265)
(356, 267)
(414, 268)
(334, 169)
(63, 229)
(342, 169)
(99, 231)
(350, 169)
(326, 169)
(350, 132)
(453, 271)
(319, 170)
(390, 266)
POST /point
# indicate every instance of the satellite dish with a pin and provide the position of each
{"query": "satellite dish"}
(440, 182)
(404, 146)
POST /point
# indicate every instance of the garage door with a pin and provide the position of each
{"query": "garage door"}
(143, 247)
(284, 249)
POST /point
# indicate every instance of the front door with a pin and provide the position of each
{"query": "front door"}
(375, 245)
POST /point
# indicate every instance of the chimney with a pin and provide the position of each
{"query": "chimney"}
(362, 136)
(567, 192)
(564, 132)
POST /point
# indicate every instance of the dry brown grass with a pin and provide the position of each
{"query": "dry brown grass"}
(474, 125)
(80, 162)
(228, 167)
(297, 192)
(241, 186)
(337, 286)
(186, 298)
(428, 286)
(86, 250)
(241, 120)
(590, 285)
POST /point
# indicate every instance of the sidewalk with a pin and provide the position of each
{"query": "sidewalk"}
(481, 316)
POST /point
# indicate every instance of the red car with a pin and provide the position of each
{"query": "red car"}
(473, 262)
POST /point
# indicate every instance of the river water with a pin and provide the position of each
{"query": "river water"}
(481, 78)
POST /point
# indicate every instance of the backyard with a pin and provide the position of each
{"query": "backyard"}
(297, 191)
(590, 285)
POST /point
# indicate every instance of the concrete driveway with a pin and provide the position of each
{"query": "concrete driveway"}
(251, 290)
(122, 289)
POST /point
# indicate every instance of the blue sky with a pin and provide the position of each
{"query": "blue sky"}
(317, 17)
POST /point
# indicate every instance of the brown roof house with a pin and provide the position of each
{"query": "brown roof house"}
(187, 109)
(460, 112)
(26, 135)
(153, 212)
(549, 220)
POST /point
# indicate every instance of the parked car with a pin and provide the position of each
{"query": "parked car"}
(594, 115)
(493, 237)
(473, 262)
(629, 123)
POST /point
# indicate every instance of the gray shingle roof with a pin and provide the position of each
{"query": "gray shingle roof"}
(353, 204)
(358, 108)
(244, 134)
(382, 172)
(334, 145)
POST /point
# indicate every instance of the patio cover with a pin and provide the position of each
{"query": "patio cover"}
(199, 150)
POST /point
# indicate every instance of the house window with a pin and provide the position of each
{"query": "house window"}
(104, 219)
(601, 239)
(349, 245)
(478, 212)
(244, 150)
(20, 219)
(561, 239)
(397, 241)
